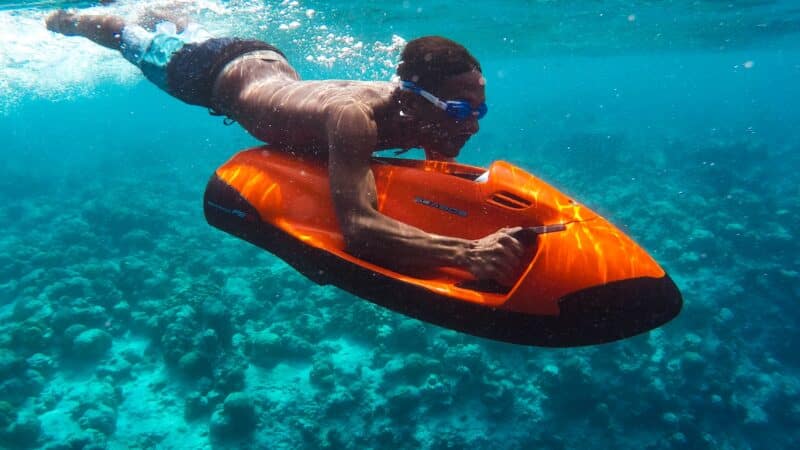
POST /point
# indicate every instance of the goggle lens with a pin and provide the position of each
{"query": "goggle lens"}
(457, 109)
(460, 109)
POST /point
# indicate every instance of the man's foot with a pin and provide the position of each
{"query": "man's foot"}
(153, 16)
(63, 21)
(103, 29)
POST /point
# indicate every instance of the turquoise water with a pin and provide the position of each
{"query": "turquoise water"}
(127, 322)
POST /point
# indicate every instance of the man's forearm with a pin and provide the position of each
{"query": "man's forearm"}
(399, 246)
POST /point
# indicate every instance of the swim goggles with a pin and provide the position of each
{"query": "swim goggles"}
(457, 109)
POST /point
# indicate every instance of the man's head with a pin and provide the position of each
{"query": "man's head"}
(448, 71)
(430, 60)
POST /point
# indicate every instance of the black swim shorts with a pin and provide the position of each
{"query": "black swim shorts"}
(192, 70)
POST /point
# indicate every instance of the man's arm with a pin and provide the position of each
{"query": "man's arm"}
(378, 238)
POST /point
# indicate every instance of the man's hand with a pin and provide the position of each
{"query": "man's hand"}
(498, 256)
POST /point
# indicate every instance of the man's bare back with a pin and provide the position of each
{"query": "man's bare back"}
(267, 97)
(345, 121)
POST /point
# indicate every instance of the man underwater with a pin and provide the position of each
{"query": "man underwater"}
(252, 83)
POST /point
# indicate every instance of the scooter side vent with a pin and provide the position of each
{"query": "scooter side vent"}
(508, 200)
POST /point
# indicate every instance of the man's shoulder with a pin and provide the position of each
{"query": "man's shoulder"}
(344, 94)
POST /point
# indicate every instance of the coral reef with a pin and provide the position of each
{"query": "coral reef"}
(127, 322)
(246, 352)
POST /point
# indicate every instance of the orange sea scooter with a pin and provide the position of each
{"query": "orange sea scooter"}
(586, 282)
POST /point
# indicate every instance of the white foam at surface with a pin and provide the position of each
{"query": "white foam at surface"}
(38, 64)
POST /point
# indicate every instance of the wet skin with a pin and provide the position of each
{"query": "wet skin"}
(349, 120)
(346, 121)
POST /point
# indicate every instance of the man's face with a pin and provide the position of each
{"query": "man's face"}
(443, 134)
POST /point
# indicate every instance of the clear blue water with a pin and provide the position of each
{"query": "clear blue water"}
(676, 120)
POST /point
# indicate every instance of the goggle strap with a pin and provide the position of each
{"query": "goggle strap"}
(411, 86)
(433, 99)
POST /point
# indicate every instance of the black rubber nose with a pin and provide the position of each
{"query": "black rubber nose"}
(596, 315)
(618, 310)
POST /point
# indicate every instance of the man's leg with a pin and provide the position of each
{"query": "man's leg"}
(105, 30)
(185, 64)
(149, 50)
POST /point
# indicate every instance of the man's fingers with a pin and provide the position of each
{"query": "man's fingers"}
(506, 278)
(503, 256)
(514, 247)
(504, 268)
